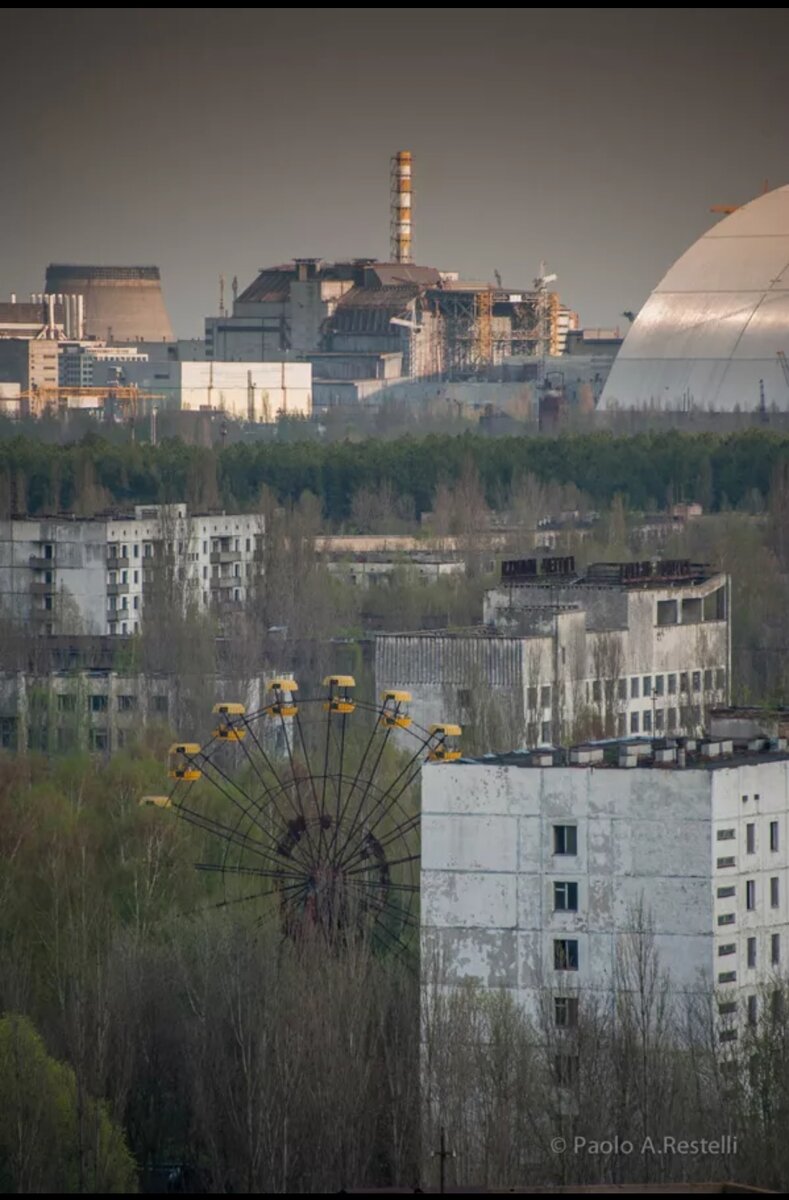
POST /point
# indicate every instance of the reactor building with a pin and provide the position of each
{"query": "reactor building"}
(714, 332)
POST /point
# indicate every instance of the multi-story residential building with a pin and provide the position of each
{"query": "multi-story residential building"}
(95, 576)
(618, 649)
(539, 868)
(103, 710)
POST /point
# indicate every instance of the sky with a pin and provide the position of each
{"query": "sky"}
(218, 141)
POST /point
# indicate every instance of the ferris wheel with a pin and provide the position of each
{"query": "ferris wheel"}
(309, 810)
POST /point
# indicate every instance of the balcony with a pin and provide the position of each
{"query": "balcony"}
(117, 589)
(225, 556)
(225, 581)
(42, 589)
(115, 564)
(37, 562)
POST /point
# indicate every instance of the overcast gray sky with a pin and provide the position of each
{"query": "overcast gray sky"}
(222, 140)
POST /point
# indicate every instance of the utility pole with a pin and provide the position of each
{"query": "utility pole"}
(442, 1154)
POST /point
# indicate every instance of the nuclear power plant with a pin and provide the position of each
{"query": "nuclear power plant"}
(121, 304)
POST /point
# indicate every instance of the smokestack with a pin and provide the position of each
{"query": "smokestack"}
(401, 207)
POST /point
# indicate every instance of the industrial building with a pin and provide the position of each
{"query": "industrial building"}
(713, 332)
(369, 327)
(121, 304)
(540, 869)
(617, 649)
(94, 576)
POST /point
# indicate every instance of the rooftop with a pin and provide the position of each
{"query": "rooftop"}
(680, 753)
(562, 572)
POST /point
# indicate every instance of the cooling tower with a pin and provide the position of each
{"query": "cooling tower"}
(122, 304)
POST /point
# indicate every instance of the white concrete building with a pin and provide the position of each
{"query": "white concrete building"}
(619, 649)
(534, 874)
(93, 576)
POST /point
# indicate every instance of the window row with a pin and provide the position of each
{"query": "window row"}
(751, 951)
(100, 702)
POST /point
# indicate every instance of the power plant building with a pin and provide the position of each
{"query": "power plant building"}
(121, 304)
(710, 334)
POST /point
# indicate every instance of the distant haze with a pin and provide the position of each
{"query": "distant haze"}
(211, 141)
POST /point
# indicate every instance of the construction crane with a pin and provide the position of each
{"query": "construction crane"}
(484, 322)
(128, 399)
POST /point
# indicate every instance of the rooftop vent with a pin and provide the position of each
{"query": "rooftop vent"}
(543, 759)
(710, 750)
(667, 755)
(584, 755)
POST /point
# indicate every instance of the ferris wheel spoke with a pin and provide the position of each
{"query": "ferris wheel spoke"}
(405, 914)
(387, 795)
(226, 832)
(381, 930)
(395, 862)
(362, 850)
(207, 763)
(294, 777)
(362, 760)
(271, 794)
(239, 869)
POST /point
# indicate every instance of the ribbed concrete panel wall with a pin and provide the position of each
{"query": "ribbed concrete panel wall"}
(708, 335)
(122, 304)
(405, 659)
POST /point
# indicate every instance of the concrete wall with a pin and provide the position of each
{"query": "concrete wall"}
(248, 391)
(488, 870)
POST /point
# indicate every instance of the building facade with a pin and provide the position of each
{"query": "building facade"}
(95, 576)
(616, 650)
(537, 869)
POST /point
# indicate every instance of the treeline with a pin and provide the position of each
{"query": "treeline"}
(649, 470)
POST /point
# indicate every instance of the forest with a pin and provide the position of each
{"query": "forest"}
(648, 470)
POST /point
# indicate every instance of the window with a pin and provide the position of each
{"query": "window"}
(597, 692)
(726, 919)
(750, 895)
(683, 681)
(723, 892)
(160, 704)
(621, 725)
(720, 679)
(647, 686)
(545, 697)
(697, 681)
(565, 1011)
(67, 703)
(621, 689)
(728, 1035)
(671, 718)
(775, 949)
(777, 1006)
(634, 722)
(659, 682)
(727, 948)
(565, 897)
(136, 601)
(728, 1008)
(725, 835)
(634, 689)
(774, 895)
(750, 838)
(708, 681)
(124, 576)
(247, 546)
(672, 685)
(546, 731)
(136, 549)
(659, 715)
(127, 703)
(98, 739)
(725, 862)
(727, 977)
(97, 703)
(566, 1066)
(646, 723)
(531, 699)
(124, 626)
(773, 835)
(751, 951)
(565, 839)
(136, 576)
(752, 1010)
(565, 954)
